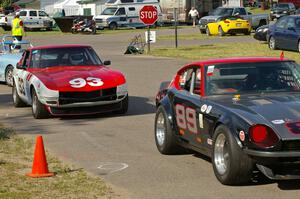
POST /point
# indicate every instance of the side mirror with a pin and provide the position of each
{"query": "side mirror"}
(107, 62)
(20, 66)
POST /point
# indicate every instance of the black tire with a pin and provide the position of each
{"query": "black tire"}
(6, 28)
(168, 144)
(9, 75)
(202, 31)
(17, 101)
(247, 33)
(221, 32)
(124, 108)
(49, 29)
(207, 32)
(113, 26)
(238, 165)
(272, 43)
(38, 109)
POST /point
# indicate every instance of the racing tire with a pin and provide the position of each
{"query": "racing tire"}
(230, 164)
(38, 109)
(272, 43)
(221, 32)
(9, 75)
(113, 26)
(124, 108)
(164, 137)
(208, 32)
(17, 101)
(202, 31)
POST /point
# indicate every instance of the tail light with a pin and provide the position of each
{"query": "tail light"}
(263, 136)
(226, 21)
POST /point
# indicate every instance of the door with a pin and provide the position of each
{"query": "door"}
(43, 19)
(291, 38)
(279, 32)
(187, 106)
(121, 13)
(33, 20)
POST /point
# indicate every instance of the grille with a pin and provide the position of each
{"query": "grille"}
(293, 145)
(93, 96)
(99, 20)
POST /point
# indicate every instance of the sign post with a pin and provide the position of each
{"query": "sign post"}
(148, 15)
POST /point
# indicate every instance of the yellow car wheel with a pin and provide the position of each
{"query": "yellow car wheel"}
(221, 32)
(208, 32)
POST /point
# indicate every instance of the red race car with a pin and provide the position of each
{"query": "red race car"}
(68, 80)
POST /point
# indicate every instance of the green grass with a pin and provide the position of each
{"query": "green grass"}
(192, 37)
(16, 154)
(222, 50)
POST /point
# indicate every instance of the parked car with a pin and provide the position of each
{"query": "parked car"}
(255, 20)
(261, 33)
(285, 33)
(241, 112)
(10, 53)
(32, 19)
(68, 80)
(229, 25)
(282, 9)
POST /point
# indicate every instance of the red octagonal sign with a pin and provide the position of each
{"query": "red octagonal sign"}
(148, 15)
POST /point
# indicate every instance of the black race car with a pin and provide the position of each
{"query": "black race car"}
(242, 112)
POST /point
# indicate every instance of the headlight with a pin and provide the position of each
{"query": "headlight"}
(122, 90)
(272, 12)
(265, 29)
(284, 12)
(259, 30)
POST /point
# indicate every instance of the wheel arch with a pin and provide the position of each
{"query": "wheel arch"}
(166, 104)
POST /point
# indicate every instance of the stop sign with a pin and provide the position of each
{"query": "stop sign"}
(148, 15)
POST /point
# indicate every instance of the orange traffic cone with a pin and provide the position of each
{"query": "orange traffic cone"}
(39, 166)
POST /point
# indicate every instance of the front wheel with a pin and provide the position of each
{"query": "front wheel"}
(124, 108)
(272, 43)
(221, 32)
(18, 102)
(38, 109)
(9, 75)
(164, 138)
(231, 165)
(113, 26)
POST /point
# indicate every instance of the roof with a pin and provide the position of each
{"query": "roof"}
(59, 46)
(239, 60)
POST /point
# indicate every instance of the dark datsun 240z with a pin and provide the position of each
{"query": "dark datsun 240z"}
(242, 112)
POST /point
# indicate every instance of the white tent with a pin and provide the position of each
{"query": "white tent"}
(71, 7)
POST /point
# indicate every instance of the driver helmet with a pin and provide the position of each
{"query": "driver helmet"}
(76, 59)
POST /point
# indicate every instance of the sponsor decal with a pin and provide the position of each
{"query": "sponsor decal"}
(209, 141)
(201, 120)
(294, 127)
(203, 108)
(208, 109)
(278, 121)
(80, 82)
(242, 136)
(210, 70)
(186, 118)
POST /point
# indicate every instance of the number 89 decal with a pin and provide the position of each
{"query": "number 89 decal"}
(80, 82)
(186, 118)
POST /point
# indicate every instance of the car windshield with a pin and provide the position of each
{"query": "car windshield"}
(222, 12)
(109, 11)
(75, 56)
(257, 77)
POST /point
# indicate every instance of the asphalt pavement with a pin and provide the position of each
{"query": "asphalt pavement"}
(121, 148)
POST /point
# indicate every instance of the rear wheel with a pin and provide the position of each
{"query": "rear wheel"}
(9, 75)
(221, 32)
(38, 109)
(272, 43)
(231, 166)
(164, 137)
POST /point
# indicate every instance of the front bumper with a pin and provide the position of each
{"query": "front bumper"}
(260, 36)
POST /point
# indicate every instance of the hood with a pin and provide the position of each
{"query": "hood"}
(58, 78)
(103, 17)
(279, 111)
(211, 18)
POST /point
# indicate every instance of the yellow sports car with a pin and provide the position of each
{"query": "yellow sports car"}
(229, 25)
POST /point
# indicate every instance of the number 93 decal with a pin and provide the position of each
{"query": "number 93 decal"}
(80, 82)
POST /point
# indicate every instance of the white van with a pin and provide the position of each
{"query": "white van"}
(124, 13)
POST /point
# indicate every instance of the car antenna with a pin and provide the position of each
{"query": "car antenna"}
(282, 55)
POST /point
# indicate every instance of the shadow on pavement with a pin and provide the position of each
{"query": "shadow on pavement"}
(289, 185)
(5, 99)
